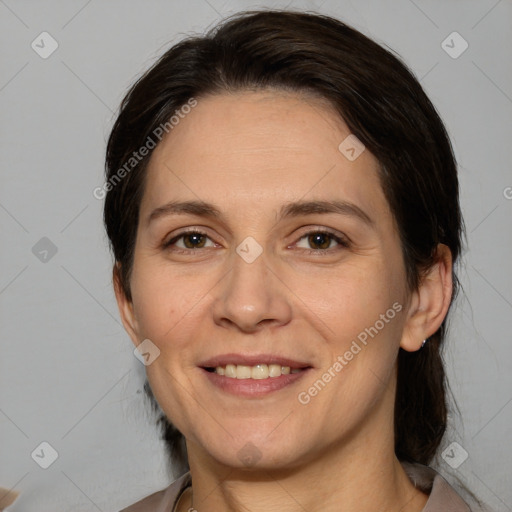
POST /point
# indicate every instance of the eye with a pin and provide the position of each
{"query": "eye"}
(190, 240)
(320, 241)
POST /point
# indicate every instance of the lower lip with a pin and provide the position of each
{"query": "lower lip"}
(253, 387)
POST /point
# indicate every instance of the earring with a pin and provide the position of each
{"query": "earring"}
(423, 344)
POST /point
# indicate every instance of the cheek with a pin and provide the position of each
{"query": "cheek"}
(343, 302)
(167, 303)
(358, 310)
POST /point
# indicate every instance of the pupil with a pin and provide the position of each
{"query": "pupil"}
(194, 240)
(321, 240)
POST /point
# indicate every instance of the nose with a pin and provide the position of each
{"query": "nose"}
(251, 297)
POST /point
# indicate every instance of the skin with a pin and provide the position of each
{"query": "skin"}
(249, 154)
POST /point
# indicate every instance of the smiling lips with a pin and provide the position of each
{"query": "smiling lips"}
(229, 371)
(257, 366)
(258, 371)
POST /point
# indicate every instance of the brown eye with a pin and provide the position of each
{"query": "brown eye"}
(189, 240)
(320, 240)
(194, 240)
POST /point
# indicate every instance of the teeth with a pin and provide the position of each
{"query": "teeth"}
(243, 372)
(275, 370)
(260, 371)
(257, 372)
(230, 371)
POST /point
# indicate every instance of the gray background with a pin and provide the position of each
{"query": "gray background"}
(67, 371)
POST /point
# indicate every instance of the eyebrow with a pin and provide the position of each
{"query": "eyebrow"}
(298, 208)
(289, 210)
(199, 208)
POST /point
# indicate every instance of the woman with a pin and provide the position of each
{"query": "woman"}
(282, 204)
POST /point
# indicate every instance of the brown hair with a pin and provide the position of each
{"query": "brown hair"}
(383, 105)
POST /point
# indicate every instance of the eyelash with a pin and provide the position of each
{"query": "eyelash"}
(173, 240)
(342, 241)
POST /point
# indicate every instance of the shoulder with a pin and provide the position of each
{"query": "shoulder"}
(442, 496)
(161, 501)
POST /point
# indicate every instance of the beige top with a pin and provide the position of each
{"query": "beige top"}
(442, 497)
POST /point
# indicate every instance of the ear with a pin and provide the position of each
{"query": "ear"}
(125, 306)
(430, 302)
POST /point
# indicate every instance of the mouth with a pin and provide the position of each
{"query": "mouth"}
(257, 372)
(256, 366)
(253, 376)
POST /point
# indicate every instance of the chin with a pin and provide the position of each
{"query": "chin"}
(257, 454)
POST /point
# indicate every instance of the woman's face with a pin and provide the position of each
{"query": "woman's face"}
(294, 261)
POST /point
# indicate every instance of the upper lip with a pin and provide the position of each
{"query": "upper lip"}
(252, 360)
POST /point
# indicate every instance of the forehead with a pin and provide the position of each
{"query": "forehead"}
(261, 149)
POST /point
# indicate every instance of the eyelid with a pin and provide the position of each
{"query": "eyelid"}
(186, 231)
(341, 238)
